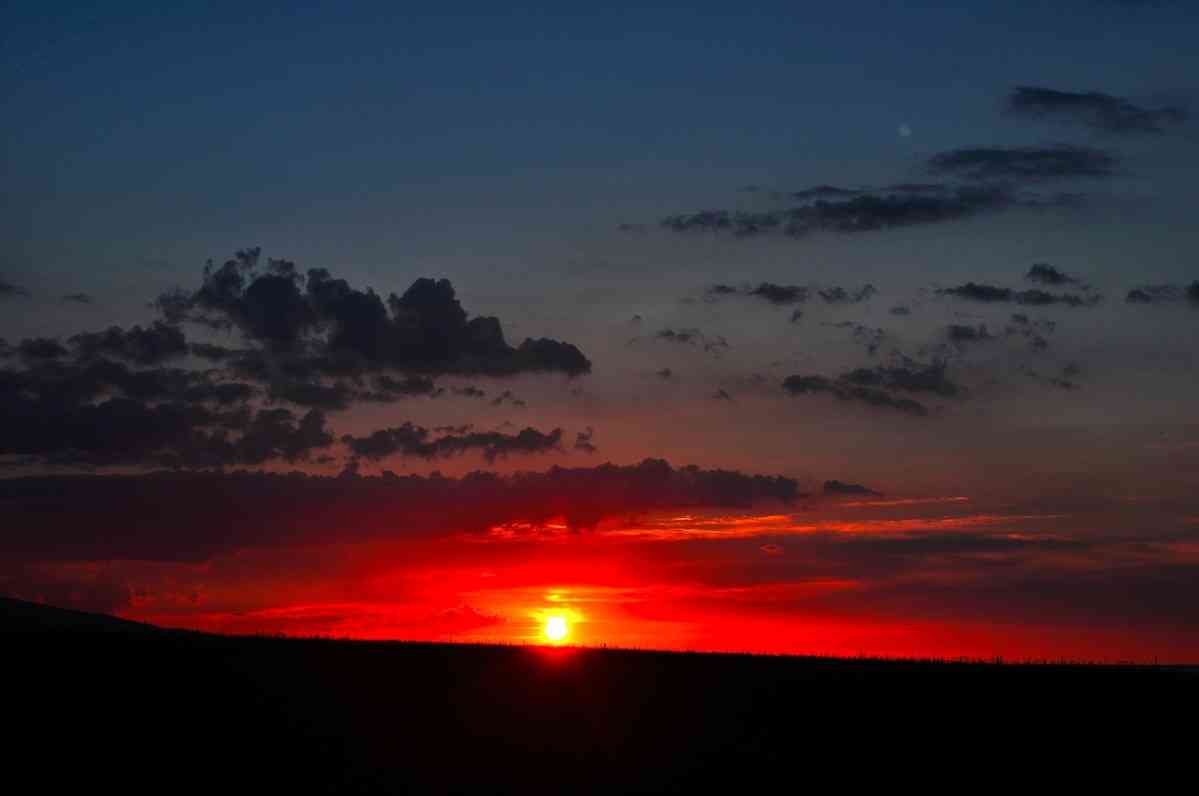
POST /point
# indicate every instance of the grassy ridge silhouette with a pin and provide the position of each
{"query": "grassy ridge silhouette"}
(164, 710)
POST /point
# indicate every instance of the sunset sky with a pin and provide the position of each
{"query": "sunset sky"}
(862, 328)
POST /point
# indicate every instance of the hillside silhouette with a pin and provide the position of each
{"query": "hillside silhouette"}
(102, 701)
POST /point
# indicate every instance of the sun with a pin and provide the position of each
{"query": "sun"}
(556, 629)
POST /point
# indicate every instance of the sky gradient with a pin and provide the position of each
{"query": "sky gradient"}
(853, 329)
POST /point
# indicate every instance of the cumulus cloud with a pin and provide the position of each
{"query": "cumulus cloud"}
(1093, 109)
(323, 323)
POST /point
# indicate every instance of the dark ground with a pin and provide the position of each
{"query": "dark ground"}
(101, 705)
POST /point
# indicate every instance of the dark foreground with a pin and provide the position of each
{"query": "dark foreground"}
(107, 706)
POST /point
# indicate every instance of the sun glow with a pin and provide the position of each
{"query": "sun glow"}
(556, 628)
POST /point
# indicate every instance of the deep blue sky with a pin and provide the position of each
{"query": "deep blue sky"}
(365, 133)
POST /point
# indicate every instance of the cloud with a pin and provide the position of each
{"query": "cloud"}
(9, 290)
(961, 334)
(991, 294)
(324, 323)
(1024, 163)
(123, 517)
(846, 391)
(77, 298)
(910, 377)
(693, 337)
(1163, 294)
(415, 441)
(506, 397)
(149, 346)
(1034, 331)
(841, 488)
(1093, 109)
(583, 441)
(1048, 275)
(783, 295)
(39, 349)
(869, 336)
(839, 295)
(866, 212)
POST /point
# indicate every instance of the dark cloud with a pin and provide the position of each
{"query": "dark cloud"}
(387, 389)
(839, 295)
(722, 395)
(871, 337)
(1048, 275)
(39, 349)
(847, 391)
(9, 290)
(974, 291)
(1034, 331)
(962, 334)
(415, 441)
(909, 377)
(693, 337)
(666, 374)
(77, 298)
(1093, 109)
(823, 192)
(1164, 294)
(470, 392)
(506, 397)
(337, 327)
(782, 295)
(332, 397)
(900, 310)
(1024, 163)
(61, 429)
(841, 488)
(866, 212)
(149, 346)
(122, 517)
(779, 294)
(583, 441)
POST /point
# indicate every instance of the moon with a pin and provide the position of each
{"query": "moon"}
(905, 130)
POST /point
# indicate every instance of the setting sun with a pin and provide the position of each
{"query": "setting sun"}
(556, 628)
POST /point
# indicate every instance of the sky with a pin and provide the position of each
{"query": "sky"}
(853, 329)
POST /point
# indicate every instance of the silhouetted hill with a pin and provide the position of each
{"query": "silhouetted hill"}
(19, 616)
(169, 712)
